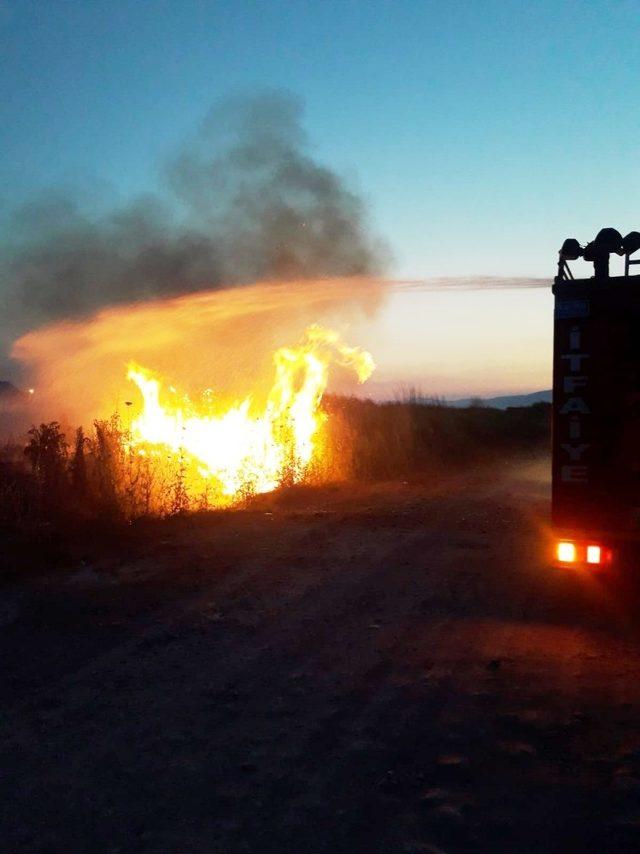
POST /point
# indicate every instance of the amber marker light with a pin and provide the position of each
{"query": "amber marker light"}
(566, 552)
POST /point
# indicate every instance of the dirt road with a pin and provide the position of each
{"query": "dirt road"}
(380, 669)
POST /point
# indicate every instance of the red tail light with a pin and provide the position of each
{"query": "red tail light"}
(594, 554)
(574, 552)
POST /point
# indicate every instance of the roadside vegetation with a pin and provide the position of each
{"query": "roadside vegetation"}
(58, 483)
(416, 436)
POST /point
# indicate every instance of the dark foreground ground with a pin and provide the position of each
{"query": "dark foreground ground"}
(385, 669)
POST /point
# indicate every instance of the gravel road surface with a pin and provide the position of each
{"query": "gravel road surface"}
(384, 668)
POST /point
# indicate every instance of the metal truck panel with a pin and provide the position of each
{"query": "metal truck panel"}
(596, 406)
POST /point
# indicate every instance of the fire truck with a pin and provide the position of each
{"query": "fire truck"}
(595, 506)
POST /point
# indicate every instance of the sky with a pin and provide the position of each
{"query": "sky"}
(480, 134)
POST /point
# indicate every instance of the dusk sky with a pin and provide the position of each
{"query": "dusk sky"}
(480, 135)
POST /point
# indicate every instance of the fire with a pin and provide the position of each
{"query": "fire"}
(241, 449)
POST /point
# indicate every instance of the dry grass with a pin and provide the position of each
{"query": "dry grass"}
(56, 482)
(376, 441)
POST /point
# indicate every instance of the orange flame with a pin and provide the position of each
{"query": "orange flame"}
(242, 451)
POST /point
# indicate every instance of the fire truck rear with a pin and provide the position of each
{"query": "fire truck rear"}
(596, 406)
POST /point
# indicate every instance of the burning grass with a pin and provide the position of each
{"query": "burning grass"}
(172, 454)
(228, 453)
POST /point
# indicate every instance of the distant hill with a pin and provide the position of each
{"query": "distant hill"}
(507, 400)
(15, 416)
(9, 392)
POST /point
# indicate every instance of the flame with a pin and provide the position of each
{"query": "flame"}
(240, 450)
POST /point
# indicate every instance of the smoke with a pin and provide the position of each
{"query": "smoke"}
(243, 201)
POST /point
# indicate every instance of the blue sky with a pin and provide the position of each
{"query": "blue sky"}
(480, 133)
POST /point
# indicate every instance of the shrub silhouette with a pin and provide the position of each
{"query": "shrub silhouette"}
(47, 452)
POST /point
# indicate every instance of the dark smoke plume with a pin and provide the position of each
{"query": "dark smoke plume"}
(242, 202)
